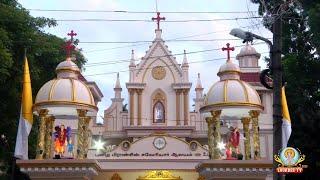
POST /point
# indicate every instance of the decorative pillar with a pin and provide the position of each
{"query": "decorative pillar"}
(131, 93)
(256, 136)
(209, 121)
(81, 133)
(214, 136)
(178, 93)
(48, 137)
(86, 136)
(216, 133)
(186, 106)
(41, 136)
(139, 91)
(246, 133)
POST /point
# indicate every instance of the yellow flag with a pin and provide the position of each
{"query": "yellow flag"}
(26, 116)
(286, 121)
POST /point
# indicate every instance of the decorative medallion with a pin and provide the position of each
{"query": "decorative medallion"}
(125, 145)
(158, 72)
(157, 175)
(193, 145)
(159, 143)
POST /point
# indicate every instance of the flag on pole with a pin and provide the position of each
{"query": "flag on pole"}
(286, 121)
(26, 116)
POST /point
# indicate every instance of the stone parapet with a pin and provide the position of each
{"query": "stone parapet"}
(60, 168)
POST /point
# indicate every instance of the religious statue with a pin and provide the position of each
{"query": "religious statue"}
(232, 151)
(61, 138)
(158, 113)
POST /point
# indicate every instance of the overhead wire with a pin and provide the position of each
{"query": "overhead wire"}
(192, 62)
(137, 12)
(146, 20)
(168, 40)
(176, 54)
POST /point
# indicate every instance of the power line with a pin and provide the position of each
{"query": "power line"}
(192, 62)
(181, 40)
(145, 20)
(176, 54)
(139, 12)
(181, 37)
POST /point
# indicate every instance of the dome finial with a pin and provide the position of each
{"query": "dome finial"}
(228, 49)
(199, 84)
(185, 60)
(132, 63)
(117, 82)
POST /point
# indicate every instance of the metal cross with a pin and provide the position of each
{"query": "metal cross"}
(69, 47)
(228, 49)
(158, 19)
(71, 34)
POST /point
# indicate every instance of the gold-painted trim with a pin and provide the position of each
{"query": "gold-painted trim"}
(166, 66)
(63, 103)
(244, 90)
(51, 88)
(228, 72)
(225, 89)
(73, 90)
(68, 69)
(224, 104)
(90, 94)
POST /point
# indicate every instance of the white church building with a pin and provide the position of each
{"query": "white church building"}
(157, 135)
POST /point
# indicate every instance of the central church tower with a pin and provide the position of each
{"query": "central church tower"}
(158, 88)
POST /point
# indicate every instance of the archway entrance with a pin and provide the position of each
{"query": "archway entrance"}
(159, 175)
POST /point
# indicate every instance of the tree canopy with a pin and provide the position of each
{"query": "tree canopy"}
(19, 30)
(301, 67)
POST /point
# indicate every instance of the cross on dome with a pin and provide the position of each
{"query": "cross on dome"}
(69, 47)
(158, 19)
(72, 34)
(228, 49)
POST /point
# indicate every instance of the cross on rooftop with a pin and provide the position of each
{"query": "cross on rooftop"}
(71, 34)
(228, 49)
(69, 47)
(158, 19)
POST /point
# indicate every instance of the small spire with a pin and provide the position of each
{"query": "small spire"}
(132, 61)
(199, 84)
(185, 60)
(118, 82)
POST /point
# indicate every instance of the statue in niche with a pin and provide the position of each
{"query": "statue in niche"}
(62, 137)
(232, 151)
(158, 113)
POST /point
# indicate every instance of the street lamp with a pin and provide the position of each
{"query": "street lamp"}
(276, 72)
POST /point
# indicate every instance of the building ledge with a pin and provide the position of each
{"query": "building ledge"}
(235, 169)
(60, 168)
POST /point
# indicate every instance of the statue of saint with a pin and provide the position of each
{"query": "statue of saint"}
(158, 113)
(61, 137)
(233, 144)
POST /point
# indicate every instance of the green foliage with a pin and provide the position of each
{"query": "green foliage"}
(301, 67)
(19, 30)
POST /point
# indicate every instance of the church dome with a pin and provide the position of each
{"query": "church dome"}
(248, 50)
(67, 65)
(230, 92)
(65, 92)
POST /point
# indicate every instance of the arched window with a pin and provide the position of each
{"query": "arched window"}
(158, 113)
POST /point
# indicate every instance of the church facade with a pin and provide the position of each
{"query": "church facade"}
(157, 136)
(159, 131)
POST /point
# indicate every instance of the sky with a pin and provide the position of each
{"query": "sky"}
(105, 74)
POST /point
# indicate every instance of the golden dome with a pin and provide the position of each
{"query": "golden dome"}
(66, 93)
(230, 92)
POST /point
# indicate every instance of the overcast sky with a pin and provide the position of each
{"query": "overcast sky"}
(144, 31)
